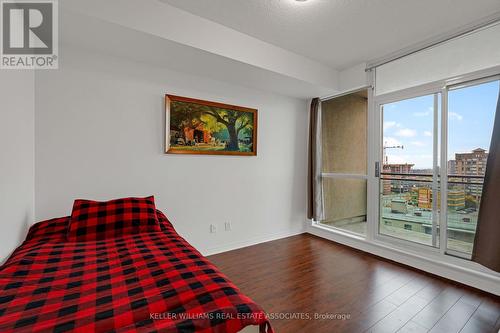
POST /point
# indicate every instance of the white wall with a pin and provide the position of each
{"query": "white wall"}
(100, 134)
(353, 78)
(16, 157)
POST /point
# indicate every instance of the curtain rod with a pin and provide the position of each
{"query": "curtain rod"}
(488, 21)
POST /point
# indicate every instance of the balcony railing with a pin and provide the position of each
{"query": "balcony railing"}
(424, 177)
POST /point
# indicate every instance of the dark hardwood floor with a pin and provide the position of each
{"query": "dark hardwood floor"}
(307, 274)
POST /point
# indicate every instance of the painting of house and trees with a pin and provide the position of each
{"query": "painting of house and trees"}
(203, 127)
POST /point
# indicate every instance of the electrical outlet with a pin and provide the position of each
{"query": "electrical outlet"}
(213, 229)
(227, 226)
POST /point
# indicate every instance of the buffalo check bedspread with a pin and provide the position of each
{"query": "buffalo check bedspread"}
(148, 282)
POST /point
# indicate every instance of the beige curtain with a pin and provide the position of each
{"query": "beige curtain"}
(314, 193)
(487, 242)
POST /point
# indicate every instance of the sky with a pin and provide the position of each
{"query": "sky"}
(471, 113)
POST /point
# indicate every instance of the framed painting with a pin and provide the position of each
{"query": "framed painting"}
(195, 126)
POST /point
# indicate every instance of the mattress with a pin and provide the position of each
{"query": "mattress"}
(148, 282)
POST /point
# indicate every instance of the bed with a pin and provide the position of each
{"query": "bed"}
(146, 282)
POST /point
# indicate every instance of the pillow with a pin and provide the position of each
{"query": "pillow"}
(98, 220)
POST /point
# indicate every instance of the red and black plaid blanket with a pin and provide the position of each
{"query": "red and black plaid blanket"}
(148, 282)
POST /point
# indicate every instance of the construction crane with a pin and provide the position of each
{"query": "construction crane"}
(386, 160)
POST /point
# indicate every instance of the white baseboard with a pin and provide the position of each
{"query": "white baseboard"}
(251, 241)
(487, 281)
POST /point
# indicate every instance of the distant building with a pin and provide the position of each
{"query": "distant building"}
(394, 185)
(421, 171)
(456, 199)
(472, 164)
(398, 168)
(399, 206)
(424, 198)
(452, 167)
(387, 188)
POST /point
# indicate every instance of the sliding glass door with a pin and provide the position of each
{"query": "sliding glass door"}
(409, 172)
(434, 141)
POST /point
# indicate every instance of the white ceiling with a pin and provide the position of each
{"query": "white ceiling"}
(341, 33)
(89, 34)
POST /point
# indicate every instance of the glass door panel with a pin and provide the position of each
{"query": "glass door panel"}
(409, 175)
(471, 113)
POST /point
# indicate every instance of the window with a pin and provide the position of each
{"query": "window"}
(471, 114)
(409, 179)
(344, 162)
(412, 149)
